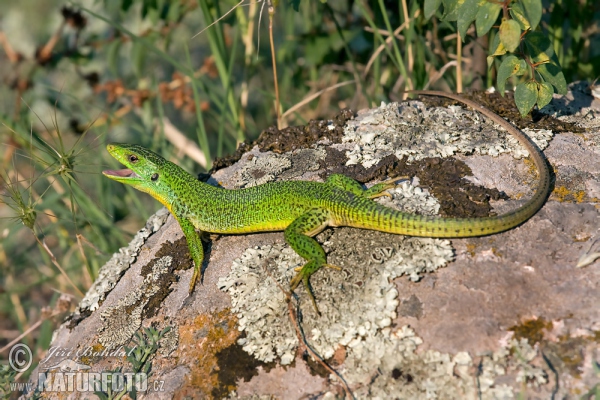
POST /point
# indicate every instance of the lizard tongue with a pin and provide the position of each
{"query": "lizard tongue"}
(122, 173)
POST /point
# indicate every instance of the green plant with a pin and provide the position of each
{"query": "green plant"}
(7, 377)
(532, 55)
(145, 345)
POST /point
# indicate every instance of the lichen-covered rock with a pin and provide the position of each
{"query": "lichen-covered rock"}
(507, 316)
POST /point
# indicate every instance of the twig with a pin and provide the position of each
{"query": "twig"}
(439, 74)
(409, 49)
(303, 344)
(46, 51)
(11, 54)
(57, 265)
(381, 47)
(182, 143)
(59, 308)
(459, 85)
(274, 62)
(314, 96)
(220, 18)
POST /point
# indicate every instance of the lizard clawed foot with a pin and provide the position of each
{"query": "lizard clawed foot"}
(303, 276)
(197, 275)
(380, 189)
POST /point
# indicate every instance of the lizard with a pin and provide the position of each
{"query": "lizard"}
(302, 209)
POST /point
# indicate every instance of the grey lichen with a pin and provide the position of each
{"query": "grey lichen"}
(388, 365)
(111, 272)
(169, 342)
(120, 322)
(354, 304)
(258, 168)
(413, 131)
(261, 170)
(410, 198)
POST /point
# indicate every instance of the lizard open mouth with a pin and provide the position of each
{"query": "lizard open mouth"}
(121, 173)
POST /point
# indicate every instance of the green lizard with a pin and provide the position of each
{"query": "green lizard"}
(302, 209)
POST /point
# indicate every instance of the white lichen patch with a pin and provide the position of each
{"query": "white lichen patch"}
(527, 373)
(120, 322)
(169, 342)
(260, 304)
(354, 303)
(402, 372)
(111, 272)
(413, 131)
(411, 199)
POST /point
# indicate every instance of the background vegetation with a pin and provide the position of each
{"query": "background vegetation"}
(192, 79)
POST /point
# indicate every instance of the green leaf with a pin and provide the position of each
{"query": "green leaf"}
(545, 92)
(430, 7)
(541, 51)
(126, 4)
(511, 65)
(112, 55)
(138, 58)
(553, 74)
(539, 47)
(518, 14)
(497, 48)
(467, 12)
(526, 95)
(450, 10)
(533, 11)
(295, 5)
(510, 34)
(486, 16)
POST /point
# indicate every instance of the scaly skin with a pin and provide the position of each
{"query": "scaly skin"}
(302, 209)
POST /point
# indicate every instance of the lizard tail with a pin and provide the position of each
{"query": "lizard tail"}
(384, 219)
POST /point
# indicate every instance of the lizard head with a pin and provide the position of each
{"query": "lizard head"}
(145, 170)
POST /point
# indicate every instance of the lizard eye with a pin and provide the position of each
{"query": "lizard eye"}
(154, 177)
(132, 158)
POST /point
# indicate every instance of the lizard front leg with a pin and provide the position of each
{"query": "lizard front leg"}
(298, 236)
(349, 184)
(195, 249)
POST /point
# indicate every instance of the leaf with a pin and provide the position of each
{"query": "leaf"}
(518, 14)
(554, 75)
(539, 47)
(510, 34)
(430, 7)
(511, 65)
(138, 58)
(486, 16)
(450, 10)
(545, 92)
(541, 51)
(533, 11)
(112, 56)
(525, 96)
(497, 48)
(467, 12)
(295, 5)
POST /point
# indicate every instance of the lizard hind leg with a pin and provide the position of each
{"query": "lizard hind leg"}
(298, 236)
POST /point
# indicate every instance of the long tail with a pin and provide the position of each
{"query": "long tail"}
(385, 219)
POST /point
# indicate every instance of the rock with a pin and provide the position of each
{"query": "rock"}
(495, 317)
